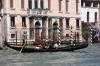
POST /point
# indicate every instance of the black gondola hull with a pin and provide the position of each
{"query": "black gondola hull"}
(67, 48)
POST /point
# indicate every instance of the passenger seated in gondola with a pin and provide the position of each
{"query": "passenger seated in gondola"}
(56, 45)
(46, 46)
(39, 46)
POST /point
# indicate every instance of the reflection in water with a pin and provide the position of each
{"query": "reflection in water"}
(84, 57)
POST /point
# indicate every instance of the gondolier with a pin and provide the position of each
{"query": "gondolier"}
(24, 38)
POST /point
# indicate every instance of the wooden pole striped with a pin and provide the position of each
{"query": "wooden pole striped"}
(91, 37)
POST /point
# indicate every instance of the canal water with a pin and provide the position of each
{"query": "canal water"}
(85, 57)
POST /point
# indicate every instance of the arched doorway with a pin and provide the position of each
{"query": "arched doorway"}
(37, 31)
(55, 34)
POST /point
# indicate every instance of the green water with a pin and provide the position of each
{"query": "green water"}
(84, 57)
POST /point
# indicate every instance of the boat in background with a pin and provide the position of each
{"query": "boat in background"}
(26, 49)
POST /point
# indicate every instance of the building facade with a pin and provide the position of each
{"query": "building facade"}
(36, 20)
(90, 11)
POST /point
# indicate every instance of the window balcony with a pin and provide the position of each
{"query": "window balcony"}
(78, 28)
(38, 12)
(12, 27)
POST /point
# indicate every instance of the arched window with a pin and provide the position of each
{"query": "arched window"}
(55, 25)
(67, 22)
(37, 25)
(95, 4)
(87, 16)
(77, 23)
(37, 31)
(95, 16)
(82, 3)
(55, 34)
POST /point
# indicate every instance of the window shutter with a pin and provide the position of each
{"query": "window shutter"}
(60, 5)
(49, 4)
(22, 4)
(0, 4)
(77, 6)
(67, 6)
(11, 3)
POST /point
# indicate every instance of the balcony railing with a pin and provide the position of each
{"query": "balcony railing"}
(38, 12)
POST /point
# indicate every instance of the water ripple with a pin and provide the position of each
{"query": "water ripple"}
(84, 57)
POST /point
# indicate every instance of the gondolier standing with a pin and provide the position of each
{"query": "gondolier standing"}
(24, 37)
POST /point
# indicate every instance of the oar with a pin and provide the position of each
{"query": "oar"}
(22, 48)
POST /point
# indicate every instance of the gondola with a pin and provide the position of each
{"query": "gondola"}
(70, 47)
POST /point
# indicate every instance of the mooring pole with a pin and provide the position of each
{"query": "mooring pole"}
(16, 37)
(91, 36)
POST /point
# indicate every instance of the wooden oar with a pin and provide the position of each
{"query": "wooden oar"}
(22, 48)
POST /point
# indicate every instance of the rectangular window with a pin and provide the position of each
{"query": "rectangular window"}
(30, 4)
(67, 35)
(42, 4)
(88, 3)
(23, 21)
(77, 6)
(49, 4)
(12, 21)
(36, 4)
(77, 35)
(77, 23)
(67, 23)
(12, 35)
(95, 4)
(67, 6)
(61, 23)
(22, 4)
(32, 34)
(1, 4)
(11, 3)
(31, 23)
(82, 3)
(60, 5)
